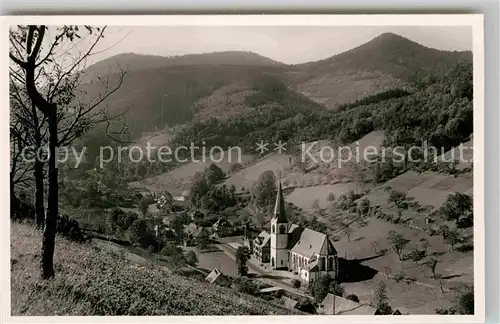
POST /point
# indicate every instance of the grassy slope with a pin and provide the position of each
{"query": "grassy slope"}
(91, 281)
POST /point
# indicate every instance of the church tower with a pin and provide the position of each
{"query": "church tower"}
(279, 233)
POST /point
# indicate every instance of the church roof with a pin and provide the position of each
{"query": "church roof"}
(310, 242)
(279, 207)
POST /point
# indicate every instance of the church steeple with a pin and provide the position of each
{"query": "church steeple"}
(279, 207)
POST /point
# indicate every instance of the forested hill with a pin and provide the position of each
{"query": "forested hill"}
(438, 110)
(159, 91)
(392, 54)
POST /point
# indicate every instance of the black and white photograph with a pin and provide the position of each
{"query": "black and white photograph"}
(232, 166)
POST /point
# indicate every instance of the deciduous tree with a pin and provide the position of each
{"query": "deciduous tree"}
(381, 300)
(51, 77)
(264, 190)
(432, 264)
(398, 243)
(242, 256)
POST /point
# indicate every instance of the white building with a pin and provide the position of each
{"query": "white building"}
(306, 252)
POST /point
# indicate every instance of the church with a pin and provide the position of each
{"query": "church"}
(307, 253)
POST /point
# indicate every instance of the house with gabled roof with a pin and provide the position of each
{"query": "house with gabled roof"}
(217, 277)
(261, 247)
(222, 228)
(194, 234)
(308, 253)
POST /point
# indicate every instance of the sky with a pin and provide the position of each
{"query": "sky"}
(287, 44)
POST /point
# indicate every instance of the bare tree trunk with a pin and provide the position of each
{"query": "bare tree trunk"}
(49, 233)
(14, 201)
(39, 204)
(38, 173)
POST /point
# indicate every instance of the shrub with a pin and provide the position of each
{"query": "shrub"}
(128, 219)
(415, 255)
(306, 305)
(398, 198)
(465, 247)
(465, 221)
(144, 204)
(70, 229)
(363, 207)
(137, 231)
(409, 280)
(324, 285)
(400, 276)
(246, 285)
(456, 206)
(296, 283)
(114, 219)
(453, 238)
(171, 249)
(213, 174)
(191, 258)
(353, 298)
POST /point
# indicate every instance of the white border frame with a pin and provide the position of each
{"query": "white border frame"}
(473, 20)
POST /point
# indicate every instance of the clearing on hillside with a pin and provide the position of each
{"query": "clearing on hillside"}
(304, 197)
(319, 170)
(179, 179)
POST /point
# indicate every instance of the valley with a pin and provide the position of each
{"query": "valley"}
(350, 177)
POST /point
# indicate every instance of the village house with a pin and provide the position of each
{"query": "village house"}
(164, 231)
(261, 247)
(216, 277)
(195, 235)
(308, 253)
(222, 228)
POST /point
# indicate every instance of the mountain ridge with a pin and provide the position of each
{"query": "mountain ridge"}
(200, 86)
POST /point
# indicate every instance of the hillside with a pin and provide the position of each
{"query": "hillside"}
(155, 97)
(386, 62)
(159, 91)
(94, 281)
(202, 86)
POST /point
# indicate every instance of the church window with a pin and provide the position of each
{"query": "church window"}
(272, 261)
(274, 228)
(330, 264)
(281, 262)
(282, 229)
